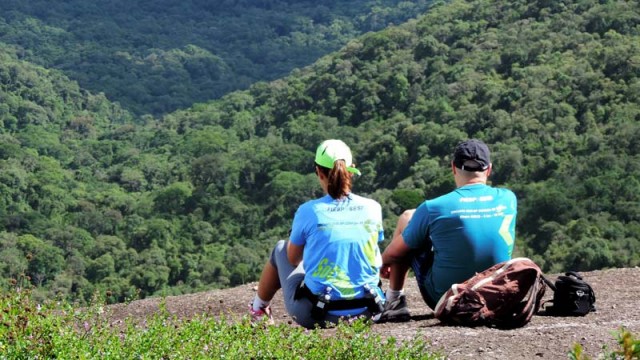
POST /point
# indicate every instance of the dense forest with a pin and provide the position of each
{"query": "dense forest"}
(160, 55)
(93, 198)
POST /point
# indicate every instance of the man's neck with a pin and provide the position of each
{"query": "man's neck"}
(476, 181)
(473, 181)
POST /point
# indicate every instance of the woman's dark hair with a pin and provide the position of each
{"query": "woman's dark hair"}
(339, 179)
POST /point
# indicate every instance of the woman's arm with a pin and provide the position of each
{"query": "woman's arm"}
(294, 253)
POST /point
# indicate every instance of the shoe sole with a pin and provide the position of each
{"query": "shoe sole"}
(399, 318)
(404, 317)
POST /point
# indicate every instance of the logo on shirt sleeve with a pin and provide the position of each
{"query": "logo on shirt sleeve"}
(505, 231)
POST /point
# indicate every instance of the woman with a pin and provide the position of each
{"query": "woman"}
(329, 268)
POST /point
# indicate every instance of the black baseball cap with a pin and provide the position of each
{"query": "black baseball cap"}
(472, 155)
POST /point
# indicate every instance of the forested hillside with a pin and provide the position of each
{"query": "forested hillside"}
(160, 55)
(92, 199)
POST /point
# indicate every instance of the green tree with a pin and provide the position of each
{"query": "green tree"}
(45, 260)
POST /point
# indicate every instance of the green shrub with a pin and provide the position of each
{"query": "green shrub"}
(629, 348)
(56, 330)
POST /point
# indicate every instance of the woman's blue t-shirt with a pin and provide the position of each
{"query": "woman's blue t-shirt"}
(340, 239)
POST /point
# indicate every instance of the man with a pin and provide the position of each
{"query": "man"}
(449, 239)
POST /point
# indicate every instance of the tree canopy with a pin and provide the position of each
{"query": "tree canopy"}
(157, 56)
(93, 198)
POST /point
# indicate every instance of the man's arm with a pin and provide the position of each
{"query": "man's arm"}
(397, 250)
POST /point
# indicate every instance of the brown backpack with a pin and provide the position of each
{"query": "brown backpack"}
(504, 296)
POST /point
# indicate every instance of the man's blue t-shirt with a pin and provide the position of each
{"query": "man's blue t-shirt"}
(340, 239)
(469, 229)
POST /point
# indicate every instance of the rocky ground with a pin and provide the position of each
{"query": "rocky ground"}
(617, 292)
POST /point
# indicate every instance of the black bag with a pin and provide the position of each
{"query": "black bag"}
(572, 296)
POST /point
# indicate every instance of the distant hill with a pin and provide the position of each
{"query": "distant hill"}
(95, 200)
(158, 56)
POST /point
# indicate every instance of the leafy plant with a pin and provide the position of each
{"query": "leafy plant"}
(629, 348)
(56, 330)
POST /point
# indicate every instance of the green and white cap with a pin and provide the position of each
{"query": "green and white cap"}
(331, 150)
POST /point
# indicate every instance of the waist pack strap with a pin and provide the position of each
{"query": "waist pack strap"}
(322, 305)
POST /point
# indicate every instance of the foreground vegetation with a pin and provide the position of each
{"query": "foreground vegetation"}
(56, 330)
(29, 330)
(629, 348)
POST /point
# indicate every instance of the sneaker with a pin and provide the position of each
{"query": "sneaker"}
(262, 315)
(394, 311)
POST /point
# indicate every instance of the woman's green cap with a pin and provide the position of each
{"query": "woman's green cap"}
(330, 151)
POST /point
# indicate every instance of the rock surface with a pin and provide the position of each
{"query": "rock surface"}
(545, 337)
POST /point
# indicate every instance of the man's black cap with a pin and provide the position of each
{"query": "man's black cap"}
(471, 155)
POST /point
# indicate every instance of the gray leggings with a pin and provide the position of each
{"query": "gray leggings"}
(290, 279)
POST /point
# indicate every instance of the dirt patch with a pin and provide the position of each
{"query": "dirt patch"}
(617, 292)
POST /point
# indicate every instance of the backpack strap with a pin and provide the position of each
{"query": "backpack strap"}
(548, 282)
